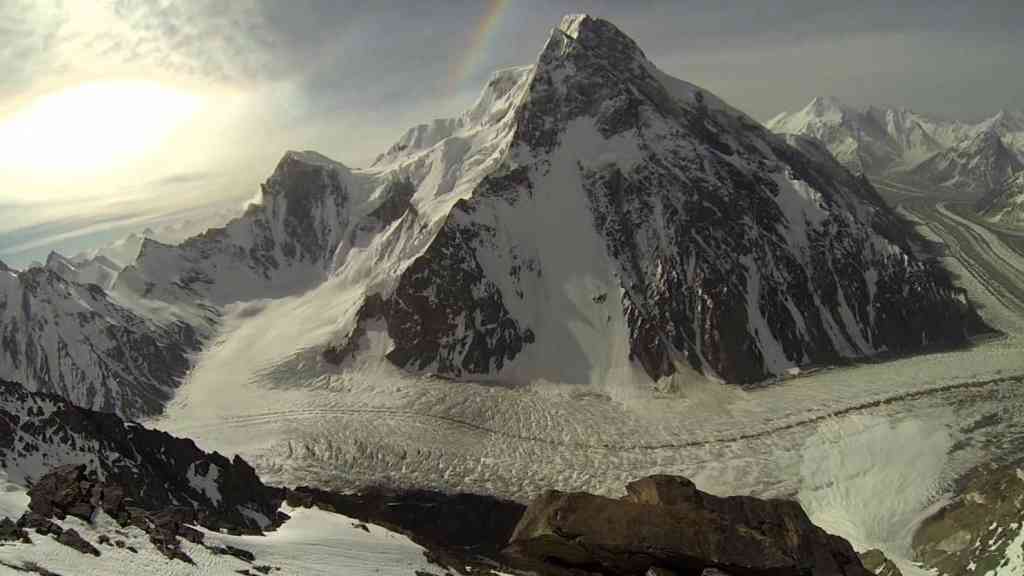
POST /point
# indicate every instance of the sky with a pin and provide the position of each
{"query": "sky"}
(117, 115)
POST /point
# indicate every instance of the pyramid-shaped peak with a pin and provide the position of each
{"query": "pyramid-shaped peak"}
(593, 32)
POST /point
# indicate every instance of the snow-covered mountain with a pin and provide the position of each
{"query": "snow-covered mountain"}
(78, 341)
(589, 218)
(1006, 203)
(975, 168)
(871, 140)
(121, 252)
(98, 270)
(969, 160)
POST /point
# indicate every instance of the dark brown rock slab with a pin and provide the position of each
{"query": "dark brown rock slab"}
(665, 523)
(876, 562)
(72, 539)
(11, 532)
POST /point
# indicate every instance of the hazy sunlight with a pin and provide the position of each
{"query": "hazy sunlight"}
(92, 127)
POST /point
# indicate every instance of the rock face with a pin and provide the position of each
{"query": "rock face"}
(77, 461)
(665, 523)
(981, 530)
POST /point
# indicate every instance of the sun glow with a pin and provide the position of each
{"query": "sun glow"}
(93, 127)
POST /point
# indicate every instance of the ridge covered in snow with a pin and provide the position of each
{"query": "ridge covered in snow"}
(969, 160)
(96, 349)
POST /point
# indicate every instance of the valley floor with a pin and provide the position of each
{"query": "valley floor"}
(866, 449)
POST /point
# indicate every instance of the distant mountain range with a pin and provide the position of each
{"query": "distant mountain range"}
(975, 162)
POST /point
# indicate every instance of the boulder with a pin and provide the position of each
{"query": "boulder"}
(228, 550)
(665, 523)
(63, 491)
(42, 526)
(11, 532)
(71, 539)
(877, 563)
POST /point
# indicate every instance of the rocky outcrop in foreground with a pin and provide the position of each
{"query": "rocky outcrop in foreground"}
(457, 529)
(79, 462)
(74, 491)
(665, 525)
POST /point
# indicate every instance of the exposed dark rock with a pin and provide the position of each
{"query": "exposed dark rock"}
(447, 312)
(191, 534)
(466, 524)
(63, 492)
(42, 526)
(11, 532)
(71, 539)
(29, 568)
(664, 522)
(149, 477)
(148, 474)
(875, 561)
(228, 550)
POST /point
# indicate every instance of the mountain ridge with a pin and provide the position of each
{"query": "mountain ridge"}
(948, 157)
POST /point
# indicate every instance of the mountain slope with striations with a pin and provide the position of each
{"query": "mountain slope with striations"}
(95, 349)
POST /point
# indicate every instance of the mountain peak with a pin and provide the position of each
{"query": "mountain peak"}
(571, 23)
(825, 105)
(592, 32)
(987, 138)
(311, 157)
